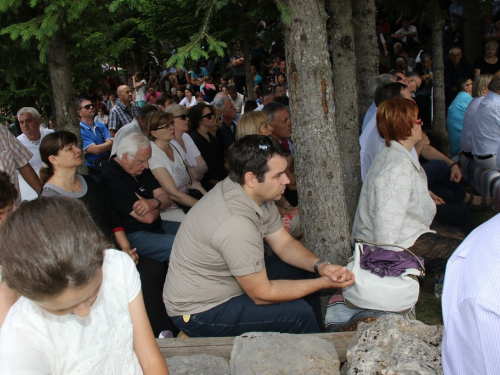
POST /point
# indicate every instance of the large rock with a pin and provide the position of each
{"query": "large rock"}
(276, 353)
(200, 364)
(392, 345)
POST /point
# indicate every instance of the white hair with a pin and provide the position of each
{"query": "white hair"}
(33, 111)
(131, 144)
(219, 102)
(382, 80)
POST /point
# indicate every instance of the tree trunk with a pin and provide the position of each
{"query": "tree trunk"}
(438, 99)
(324, 220)
(346, 101)
(365, 41)
(65, 115)
(472, 30)
(248, 67)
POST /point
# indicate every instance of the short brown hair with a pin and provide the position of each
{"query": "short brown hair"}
(8, 192)
(395, 119)
(156, 119)
(50, 245)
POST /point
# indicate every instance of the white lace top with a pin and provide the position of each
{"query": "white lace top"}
(33, 341)
(394, 205)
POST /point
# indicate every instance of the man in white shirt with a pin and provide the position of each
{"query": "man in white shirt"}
(408, 35)
(237, 99)
(137, 126)
(30, 121)
(471, 304)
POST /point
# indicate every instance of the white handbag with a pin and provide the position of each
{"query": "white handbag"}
(390, 293)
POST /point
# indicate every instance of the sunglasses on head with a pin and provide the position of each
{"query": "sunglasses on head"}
(208, 116)
(265, 144)
(88, 106)
(183, 117)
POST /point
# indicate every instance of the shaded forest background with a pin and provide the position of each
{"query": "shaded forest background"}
(55, 50)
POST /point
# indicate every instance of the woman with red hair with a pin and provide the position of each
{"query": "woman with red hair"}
(395, 206)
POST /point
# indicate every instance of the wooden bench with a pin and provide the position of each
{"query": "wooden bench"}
(222, 346)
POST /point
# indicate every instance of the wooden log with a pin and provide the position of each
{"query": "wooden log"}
(222, 346)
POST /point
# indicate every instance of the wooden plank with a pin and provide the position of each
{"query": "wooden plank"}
(222, 346)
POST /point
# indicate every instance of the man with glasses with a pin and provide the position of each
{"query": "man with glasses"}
(219, 282)
(138, 198)
(97, 141)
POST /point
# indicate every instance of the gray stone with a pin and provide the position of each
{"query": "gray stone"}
(392, 345)
(200, 364)
(276, 353)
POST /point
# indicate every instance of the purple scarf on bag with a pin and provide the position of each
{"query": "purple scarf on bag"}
(383, 262)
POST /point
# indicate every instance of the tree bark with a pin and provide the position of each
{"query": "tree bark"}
(248, 67)
(346, 101)
(65, 117)
(317, 159)
(438, 99)
(365, 41)
(472, 30)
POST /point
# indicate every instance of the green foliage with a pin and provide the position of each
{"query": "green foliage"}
(225, 21)
(94, 36)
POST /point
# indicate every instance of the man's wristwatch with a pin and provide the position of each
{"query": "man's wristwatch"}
(317, 264)
(159, 203)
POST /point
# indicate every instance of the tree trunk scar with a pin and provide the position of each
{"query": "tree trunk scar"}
(323, 94)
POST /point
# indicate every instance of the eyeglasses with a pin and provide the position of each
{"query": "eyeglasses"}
(416, 83)
(88, 106)
(265, 144)
(208, 116)
(418, 122)
(171, 123)
(183, 117)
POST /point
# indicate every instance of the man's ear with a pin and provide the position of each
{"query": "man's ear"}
(250, 179)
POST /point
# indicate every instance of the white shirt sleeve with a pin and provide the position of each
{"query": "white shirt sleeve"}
(132, 279)
(192, 151)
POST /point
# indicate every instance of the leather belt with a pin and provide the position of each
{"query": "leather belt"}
(468, 154)
(484, 157)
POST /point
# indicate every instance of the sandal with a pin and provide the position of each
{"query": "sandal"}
(477, 207)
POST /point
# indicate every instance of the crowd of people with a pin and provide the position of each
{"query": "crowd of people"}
(196, 185)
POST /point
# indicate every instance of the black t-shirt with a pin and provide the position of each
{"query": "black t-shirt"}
(212, 156)
(120, 189)
(485, 67)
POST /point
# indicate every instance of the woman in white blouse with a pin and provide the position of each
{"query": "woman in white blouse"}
(81, 308)
(189, 100)
(169, 166)
(395, 206)
(184, 141)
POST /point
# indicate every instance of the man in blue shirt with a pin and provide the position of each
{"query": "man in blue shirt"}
(97, 141)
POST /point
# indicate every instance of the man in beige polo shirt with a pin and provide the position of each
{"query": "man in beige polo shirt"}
(219, 283)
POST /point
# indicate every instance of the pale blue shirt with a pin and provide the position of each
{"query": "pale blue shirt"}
(372, 111)
(471, 304)
(470, 112)
(455, 120)
(371, 143)
(486, 128)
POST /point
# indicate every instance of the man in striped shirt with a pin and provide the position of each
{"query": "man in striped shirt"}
(123, 112)
(471, 304)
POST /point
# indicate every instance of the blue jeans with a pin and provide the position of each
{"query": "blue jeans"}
(154, 245)
(240, 314)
